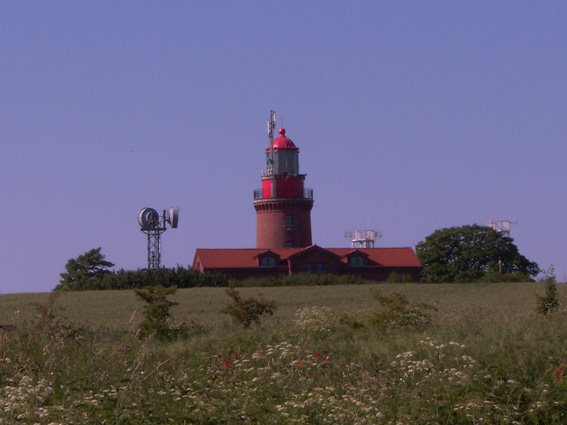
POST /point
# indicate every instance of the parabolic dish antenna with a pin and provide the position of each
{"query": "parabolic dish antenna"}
(148, 218)
(173, 217)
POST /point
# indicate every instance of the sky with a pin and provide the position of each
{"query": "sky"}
(411, 116)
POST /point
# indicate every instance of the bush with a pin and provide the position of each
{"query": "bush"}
(157, 313)
(302, 279)
(496, 277)
(396, 277)
(549, 302)
(398, 312)
(180, 277)
(246, 311)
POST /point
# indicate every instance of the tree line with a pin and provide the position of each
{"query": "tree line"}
(91, 271)
(469, 253)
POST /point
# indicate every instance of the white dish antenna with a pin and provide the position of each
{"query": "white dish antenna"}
(148, 218)
(173, 217)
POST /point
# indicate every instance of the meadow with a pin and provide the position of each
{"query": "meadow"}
(485, 357)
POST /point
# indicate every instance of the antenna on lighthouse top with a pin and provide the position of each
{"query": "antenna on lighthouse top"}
(271, 126)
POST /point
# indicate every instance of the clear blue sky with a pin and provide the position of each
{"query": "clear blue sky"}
(410, 116)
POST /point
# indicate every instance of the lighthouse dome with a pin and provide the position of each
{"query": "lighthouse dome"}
(282, 142)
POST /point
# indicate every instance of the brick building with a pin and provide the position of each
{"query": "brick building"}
(368, 263)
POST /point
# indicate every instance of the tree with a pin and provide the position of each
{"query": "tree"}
(157, 313)
(246, 311)
(84, 271)
(549, 302)
(470, 253)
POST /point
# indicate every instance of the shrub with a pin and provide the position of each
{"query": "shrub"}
(549, 302)
(180, 277)
(316, 319)
(398, 312)
(396, 277)
(52, 323)
(157, 313)
(246, 311)
(302, 279)
(496, 277)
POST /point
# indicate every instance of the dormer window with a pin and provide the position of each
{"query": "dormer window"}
(356, 261)
(267, 261)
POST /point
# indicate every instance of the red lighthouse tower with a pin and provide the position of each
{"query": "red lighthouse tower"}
(283, 205)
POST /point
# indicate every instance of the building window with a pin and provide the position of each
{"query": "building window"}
(320, 268)
(288, 223)
(309, 268)
(267, 261)
(289, 244)
(356, 261)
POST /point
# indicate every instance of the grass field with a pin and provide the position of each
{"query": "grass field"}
(486, 357)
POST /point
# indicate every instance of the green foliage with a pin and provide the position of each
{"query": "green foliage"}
(52, 323)
(396, 277)
(179, 277)
(495, 277)
(397, 312)
(157, 313)
(84, 271)
(301, 279)
(459, 371)
(549, 302)
(246, 311)
(468, 253)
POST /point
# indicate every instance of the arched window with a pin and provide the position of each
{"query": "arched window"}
(356, 261)
(267, 261)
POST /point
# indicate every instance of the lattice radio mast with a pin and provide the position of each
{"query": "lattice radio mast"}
(153, 226)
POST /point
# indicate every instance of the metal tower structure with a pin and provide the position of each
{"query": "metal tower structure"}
(363, 238)
(502, 226)
(152, 225)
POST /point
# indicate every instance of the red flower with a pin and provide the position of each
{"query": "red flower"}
(317, 354)
(235, 356)
(227, 364)
(559, 372)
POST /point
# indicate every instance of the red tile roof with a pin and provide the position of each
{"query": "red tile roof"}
(247, 257)
(387, 257)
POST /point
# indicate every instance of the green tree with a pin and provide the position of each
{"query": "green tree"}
(85, 272)
(549, 302)
(157, 313)
(246, 311)
(469, 253)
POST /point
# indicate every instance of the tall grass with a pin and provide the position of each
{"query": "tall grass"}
(487, 357)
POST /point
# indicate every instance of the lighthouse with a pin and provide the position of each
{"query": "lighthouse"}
(283, 205)
(283, 231)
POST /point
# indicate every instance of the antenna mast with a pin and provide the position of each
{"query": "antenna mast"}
(153, 226)
(502, 226)
(363, 238)
(271, 128)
